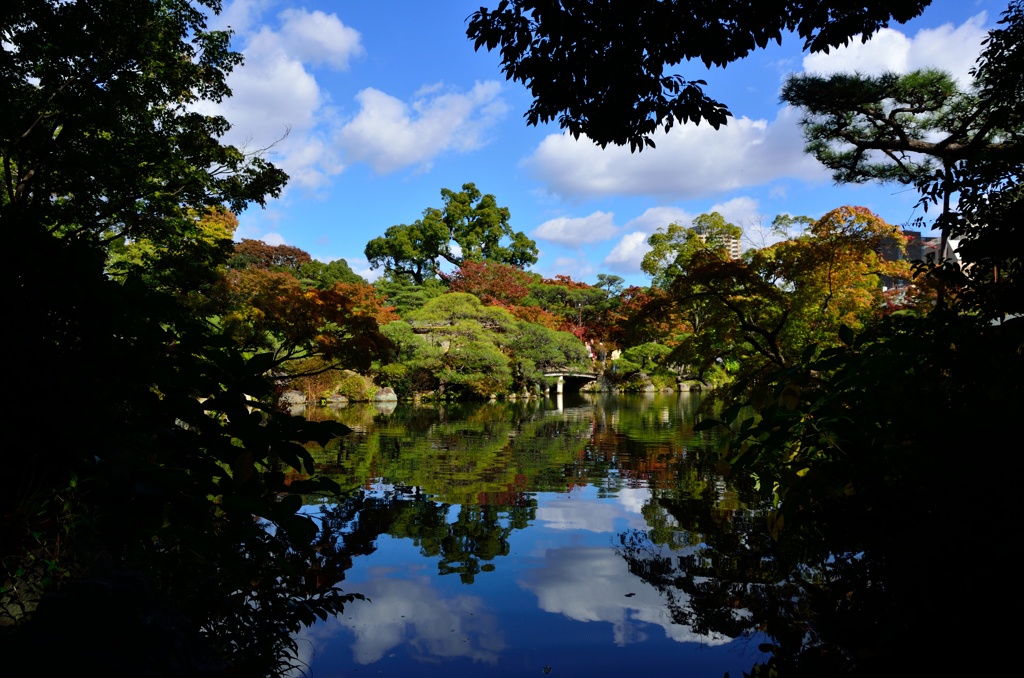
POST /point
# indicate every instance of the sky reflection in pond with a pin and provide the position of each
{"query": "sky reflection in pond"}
(543, 578)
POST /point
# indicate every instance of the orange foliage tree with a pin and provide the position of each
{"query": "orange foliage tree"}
(765, 310)
(367, 300)
(502, 285)
(269, 310)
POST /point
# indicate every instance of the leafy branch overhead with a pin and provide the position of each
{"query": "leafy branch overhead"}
(893, 127)
(600, 68)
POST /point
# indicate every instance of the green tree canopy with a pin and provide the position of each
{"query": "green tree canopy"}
(536, 350)
(178, 441)
(673, 248)
(464, 341)
(470, 227)
(406, 295)
(325, 276)
(258, 254)
(113, 82)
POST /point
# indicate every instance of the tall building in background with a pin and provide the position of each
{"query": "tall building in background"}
(731, 243)
(889, 250)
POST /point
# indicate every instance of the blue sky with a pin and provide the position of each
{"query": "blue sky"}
(387, 103)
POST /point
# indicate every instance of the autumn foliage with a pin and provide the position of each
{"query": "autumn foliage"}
(368, 301)
(270, 310)
(504, 286)
(492, 282)
(258, 254)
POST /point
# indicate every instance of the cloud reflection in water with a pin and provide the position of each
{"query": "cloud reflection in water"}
(591, 584)
(410, 611)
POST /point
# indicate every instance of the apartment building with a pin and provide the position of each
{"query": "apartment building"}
(732, 244)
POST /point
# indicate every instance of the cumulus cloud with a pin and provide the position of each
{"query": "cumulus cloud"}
(690, 161)
(276, 103)
(566, 514)
(570, 577)
(389, 134)
(634, 499)
(273, 239)
(950, 48)
(575, 231)
(316, 37)
(574, 267)
(409, 612)
(741, 210)
(626, 256)
(659, 217)
(240, 15)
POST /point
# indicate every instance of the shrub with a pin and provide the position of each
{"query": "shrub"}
(356, 388)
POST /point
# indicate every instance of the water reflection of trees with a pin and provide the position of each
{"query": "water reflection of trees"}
(465, 546)
(825, 601)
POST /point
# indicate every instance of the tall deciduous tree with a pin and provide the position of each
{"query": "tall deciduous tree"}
(163, 467)
(502, 283)
(325, 276)
(599, 68)
(672, 248)
(270, 311)
(114, 82)
(765, 310)
(470, 227)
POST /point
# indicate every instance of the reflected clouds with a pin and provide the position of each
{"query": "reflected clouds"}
(570, 514)
(594, 584)
(410, 612)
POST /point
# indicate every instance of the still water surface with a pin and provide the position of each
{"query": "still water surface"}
(561, 535)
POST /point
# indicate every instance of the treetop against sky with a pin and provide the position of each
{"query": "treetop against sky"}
(375, 107)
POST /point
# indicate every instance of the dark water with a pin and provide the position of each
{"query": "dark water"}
(580, 535)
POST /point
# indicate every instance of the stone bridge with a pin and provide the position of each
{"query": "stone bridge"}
(574, 381)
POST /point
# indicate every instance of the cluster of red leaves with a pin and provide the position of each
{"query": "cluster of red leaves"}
(305, 322)
(258, 254)
(367, 300)
(505, 285)
(643, 316)
(565, 281)
(501, 285)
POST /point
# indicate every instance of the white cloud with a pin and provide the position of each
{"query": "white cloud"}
(240, 15)
(690, 161)
(634, 499)
(591, 584)
(740, 211)
(409, 612)
(389, 134)
(273, 93)
(575, 231)
(576, 268)
(659, 217)
(950, 48)
(566, 514)
(273, 239)
(316, 37)
(627, 255)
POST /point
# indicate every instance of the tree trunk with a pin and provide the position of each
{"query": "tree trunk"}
(946, 191)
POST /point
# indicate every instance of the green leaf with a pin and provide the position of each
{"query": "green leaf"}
(707, 425)
(846, 335)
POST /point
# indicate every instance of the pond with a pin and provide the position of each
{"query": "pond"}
(576, 535)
